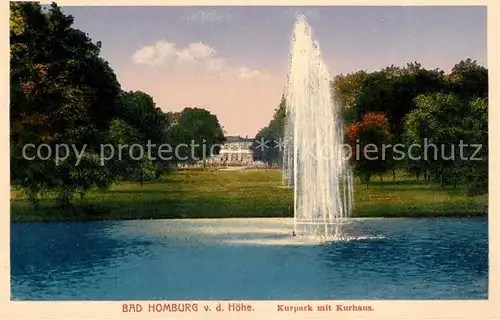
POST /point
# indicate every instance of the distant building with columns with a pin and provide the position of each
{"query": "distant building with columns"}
(236, 151)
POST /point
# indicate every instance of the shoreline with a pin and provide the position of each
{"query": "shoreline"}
(48, 218)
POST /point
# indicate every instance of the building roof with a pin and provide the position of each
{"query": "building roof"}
(230, 139)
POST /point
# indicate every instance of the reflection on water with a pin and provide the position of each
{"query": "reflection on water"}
(248, 259)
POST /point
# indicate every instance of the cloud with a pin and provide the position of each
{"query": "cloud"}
(155, 54)
(195, 51)
(196, 54)
(216, 64)
(163, 51)
(246, 73)
(208, 16)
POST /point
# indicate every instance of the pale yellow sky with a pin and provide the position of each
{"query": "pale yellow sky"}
(238, 103)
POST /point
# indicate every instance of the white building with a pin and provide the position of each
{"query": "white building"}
(235, 152)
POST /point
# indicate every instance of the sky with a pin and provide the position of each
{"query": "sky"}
(233, 61)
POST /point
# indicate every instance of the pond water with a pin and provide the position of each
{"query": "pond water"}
(248, 259)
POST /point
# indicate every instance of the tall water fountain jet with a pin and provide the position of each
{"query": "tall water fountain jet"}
(313, 161)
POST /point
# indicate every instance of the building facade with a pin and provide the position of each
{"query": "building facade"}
(235, 152)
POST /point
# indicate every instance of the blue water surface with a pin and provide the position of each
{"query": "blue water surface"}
(207, 259)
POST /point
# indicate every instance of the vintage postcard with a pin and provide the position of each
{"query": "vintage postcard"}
(250, 160)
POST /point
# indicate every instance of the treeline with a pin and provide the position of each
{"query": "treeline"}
(407, 106)
(63, 93)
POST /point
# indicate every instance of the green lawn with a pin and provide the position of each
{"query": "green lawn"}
(250, 193)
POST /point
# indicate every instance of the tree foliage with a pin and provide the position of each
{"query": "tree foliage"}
(63, 92)
(416, 103)
(366, 139)
(450, 129)
(267, 146)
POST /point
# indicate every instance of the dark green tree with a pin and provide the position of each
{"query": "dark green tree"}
(194, 133)
(268, 144)
(446, 126)
(61, 91)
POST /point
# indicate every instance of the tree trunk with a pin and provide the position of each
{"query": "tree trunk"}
(427, 178)
(65, 199)
(393, 174)
(454, 180)
(418, 175)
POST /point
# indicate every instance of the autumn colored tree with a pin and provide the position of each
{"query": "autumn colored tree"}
(366, 139)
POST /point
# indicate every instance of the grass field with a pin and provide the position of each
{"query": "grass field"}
(248, 193)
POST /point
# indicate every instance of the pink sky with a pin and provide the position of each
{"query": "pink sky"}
(232, 60)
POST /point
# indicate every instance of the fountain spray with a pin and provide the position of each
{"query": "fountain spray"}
(313, 163)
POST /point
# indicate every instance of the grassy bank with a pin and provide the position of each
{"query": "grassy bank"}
(251, 193)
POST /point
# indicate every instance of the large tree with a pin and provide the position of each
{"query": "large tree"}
(194, 133)
(139, 110)
(61, 90)
(469, 79)
(346, 90)
(268, 144)
(449, 129)
(393, 90)
(366, 139)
